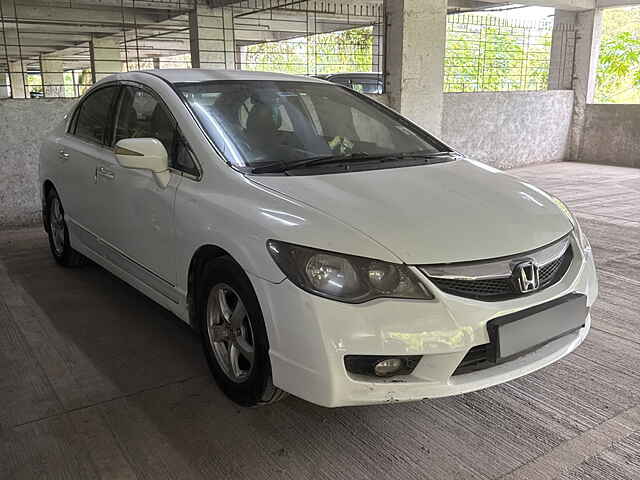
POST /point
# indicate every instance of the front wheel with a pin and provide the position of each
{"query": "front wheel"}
(234, 335)
(59, 234)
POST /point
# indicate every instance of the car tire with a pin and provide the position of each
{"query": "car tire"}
(58, 232)
(234, 336)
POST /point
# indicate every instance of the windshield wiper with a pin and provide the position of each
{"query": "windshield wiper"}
(356, 157)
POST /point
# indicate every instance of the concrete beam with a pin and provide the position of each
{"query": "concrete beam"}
(472, 4)
(615, 3)
(82, 17)
(575, 5)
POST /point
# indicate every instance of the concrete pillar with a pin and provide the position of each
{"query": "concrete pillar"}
(105, 57)
(52, 71)
(17, 76)
(588, 29)
(563, 41)
(312, 46)
(5, 87)
(211, 37)
(416, 37)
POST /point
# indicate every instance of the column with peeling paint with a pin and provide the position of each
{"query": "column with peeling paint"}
(52, 71)
(415, 45)
(105, 57)
(588, 29)
(211, 34)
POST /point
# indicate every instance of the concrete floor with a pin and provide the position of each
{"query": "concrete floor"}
(96, 381)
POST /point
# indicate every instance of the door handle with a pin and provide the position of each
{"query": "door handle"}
(103, 172)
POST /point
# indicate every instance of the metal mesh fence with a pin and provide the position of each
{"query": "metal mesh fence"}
(58, 48)
(312, 37)
(485, 53)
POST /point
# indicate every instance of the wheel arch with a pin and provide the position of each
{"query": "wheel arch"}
(47, 186)
(199, 260)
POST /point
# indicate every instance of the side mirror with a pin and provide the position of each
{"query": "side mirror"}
(144, 154)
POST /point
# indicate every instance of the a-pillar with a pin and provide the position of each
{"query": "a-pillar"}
(588, 28)
(416, 37)
(105, 57)
(212, 37)
(52, 71)
(17, 76)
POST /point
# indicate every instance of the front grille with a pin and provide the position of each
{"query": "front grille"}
(475, 288)
(494, 289)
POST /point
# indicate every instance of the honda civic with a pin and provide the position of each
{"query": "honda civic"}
(322, 244)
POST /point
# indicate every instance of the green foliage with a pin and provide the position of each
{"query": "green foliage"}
(345, 51)
(618, 72)
(478, 57)
(495, 58)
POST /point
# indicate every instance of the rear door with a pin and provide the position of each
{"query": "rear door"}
(81, 150)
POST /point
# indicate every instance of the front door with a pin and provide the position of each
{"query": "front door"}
(142, 237)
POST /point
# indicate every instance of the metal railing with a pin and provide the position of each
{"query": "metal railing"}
(311, 37)
(58, 48)
(487, 53)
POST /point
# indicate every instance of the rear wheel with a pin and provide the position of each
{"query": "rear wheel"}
(234, 335)
(59, 234)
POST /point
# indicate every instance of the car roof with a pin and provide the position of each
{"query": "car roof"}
(197, 75)
(350, 74)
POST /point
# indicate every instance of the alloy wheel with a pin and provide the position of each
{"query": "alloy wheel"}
(56, 226)
(230, 333)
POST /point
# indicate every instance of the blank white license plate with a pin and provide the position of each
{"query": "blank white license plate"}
(531, 328)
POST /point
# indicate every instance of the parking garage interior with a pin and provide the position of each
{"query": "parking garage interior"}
(97, 381)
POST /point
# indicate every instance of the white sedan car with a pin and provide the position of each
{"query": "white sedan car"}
(321, 243)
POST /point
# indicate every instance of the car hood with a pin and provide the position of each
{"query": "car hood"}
(448, 212)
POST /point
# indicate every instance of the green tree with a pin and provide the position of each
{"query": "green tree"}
(618, 72)
(344, 51)
(488, 57)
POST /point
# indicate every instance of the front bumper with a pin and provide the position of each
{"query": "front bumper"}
(310, 336)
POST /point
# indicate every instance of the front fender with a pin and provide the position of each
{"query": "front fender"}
(232, 213)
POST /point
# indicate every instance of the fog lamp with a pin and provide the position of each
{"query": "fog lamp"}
(388, 367)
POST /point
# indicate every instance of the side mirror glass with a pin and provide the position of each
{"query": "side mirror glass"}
(144, 154)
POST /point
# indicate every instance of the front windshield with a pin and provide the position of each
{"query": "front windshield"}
(255, 123)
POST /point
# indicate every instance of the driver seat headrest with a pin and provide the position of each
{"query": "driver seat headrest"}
(264, 119)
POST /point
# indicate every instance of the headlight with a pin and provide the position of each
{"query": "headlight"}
(582, 239)
(345, 278)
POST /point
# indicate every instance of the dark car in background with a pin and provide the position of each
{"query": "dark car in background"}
(360, 82)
